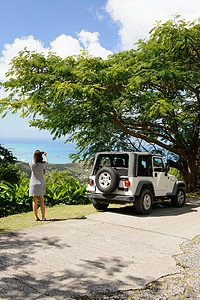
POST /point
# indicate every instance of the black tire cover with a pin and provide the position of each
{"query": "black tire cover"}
(114, 180)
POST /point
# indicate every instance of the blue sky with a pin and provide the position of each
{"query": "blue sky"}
(66, 26)
(47, 19)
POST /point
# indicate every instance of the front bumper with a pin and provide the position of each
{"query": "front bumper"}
(111, 198)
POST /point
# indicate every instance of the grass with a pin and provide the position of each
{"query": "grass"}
(55, 213)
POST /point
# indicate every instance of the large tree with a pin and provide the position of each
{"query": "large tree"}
(150, 94)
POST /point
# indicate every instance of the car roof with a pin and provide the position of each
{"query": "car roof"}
(123, 152)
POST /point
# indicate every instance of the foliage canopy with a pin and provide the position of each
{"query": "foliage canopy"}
(150, 94)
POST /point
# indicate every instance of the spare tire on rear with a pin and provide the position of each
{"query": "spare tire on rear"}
(107, 180)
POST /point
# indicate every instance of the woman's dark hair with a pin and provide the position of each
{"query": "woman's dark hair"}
(38, 157)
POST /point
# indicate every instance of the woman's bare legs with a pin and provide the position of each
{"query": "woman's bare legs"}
(42, 207)
(35, 202)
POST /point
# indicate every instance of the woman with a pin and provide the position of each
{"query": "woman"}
(37, 183)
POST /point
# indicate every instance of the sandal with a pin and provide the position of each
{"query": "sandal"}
(38, 219)
(44, 219)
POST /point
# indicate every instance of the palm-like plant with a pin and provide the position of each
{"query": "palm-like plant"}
(14, 198)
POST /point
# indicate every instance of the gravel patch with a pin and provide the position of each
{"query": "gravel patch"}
(182, 285)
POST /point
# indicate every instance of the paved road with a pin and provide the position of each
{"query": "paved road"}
(115, 250)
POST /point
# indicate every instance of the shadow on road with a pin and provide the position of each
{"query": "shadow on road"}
(16, 248)
(162, 209)
(18, 282)
(66, 285)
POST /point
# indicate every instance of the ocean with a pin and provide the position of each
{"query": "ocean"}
(24, 148)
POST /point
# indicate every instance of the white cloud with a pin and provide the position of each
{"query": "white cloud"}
(91, 43)
(99, 16)
(137, 17)
(63, 46)
(11, 50)
(87, 38)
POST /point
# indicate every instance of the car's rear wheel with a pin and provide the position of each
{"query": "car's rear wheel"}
(144, 202)
(179, 199)
(107, 180)
(99, 206)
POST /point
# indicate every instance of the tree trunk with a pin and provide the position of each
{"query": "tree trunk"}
(189, 170)
(190, 173)
(188, 166)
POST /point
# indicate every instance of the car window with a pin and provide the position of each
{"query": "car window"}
(111, 160)
(158, 165)
(144, 166)
(119, 162)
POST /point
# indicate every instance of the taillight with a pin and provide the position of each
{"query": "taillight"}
(90, 181)
(127, 183)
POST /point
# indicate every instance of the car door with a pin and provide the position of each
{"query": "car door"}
(159, 176)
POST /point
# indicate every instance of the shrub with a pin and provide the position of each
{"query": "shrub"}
(8, 170)
(14, 198)
(175, 172)
(61, 188)
(9, 173)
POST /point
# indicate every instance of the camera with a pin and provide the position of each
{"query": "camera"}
(42, 152)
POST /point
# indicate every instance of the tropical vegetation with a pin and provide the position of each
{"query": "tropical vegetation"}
(8, 169)
(148, 97)
(14, 190)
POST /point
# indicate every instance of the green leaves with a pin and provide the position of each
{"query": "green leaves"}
(61, 188)
(162, 108)
(6, 156)
(14, 197)
(150, 94)
(8, 170)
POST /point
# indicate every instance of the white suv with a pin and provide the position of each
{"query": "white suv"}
(132, 177)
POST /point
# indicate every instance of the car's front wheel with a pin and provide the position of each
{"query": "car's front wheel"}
(179, 199)
(144, 202)
(99, 206)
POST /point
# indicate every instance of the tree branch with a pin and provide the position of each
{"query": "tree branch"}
(144, 137)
